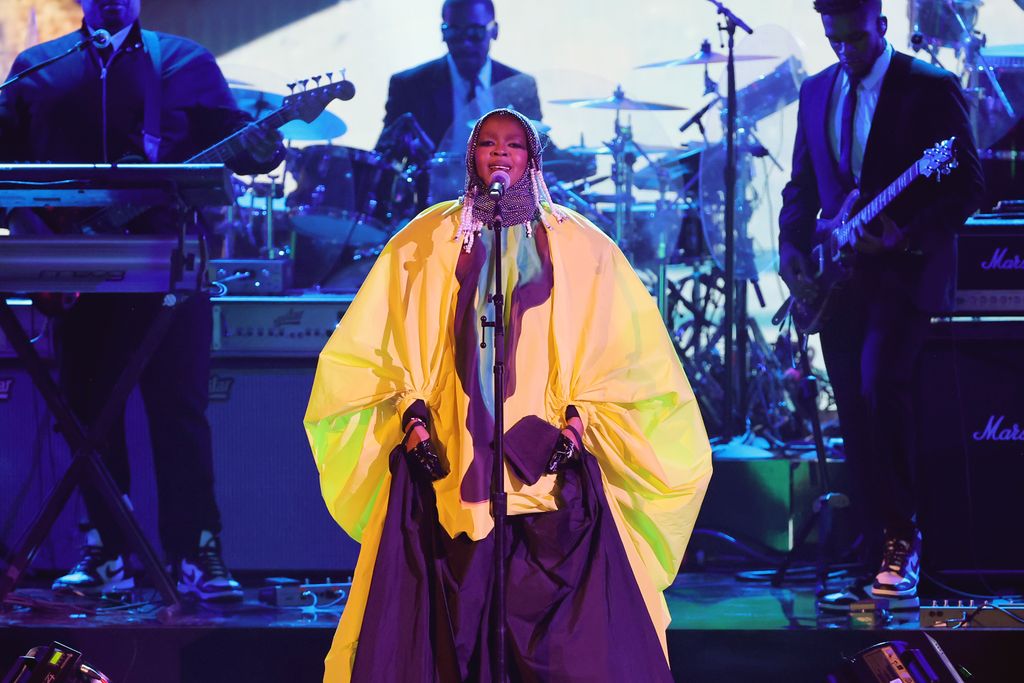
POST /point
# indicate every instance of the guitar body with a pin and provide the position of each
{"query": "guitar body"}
(832, 266)
(833, 257)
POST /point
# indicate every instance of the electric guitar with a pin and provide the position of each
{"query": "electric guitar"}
(305, 105)
(832, 255)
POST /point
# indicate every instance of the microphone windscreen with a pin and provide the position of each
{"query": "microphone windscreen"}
(501, 177)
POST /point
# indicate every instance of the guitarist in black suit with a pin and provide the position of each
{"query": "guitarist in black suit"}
(145, 97)
(445, 95)
(862, 122)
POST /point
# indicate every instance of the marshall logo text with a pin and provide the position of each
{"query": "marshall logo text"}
(994, 431)
(1002, 261)
(6, 384)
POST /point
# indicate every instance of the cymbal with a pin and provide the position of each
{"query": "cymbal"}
(617, 101)
(705, 55)
(258, 103)
(633, 145)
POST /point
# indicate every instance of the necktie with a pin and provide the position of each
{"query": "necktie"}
(471, 95)
(846, 135)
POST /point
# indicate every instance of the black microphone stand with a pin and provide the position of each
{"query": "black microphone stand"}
(499, 501)
(821, 510)
(731, 335)
(81, 45)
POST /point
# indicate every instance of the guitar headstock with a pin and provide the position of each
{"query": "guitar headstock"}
(309, 103)
(939, 158)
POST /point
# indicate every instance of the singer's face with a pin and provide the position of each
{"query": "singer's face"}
(501, 146)
(112, 15)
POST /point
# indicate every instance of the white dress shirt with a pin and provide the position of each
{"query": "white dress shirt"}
(464, 113)
(867, 100)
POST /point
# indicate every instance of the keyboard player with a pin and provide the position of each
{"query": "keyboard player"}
(144, 97)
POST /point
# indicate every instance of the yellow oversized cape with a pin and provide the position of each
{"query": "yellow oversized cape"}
(608, 354)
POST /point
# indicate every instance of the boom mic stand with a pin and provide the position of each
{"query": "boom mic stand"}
(499, 501)
(100, 39)
(730, 25)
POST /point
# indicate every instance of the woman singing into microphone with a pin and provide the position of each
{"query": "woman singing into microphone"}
(607, 457)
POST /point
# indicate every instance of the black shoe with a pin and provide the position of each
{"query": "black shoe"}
(901, 567)
(97, 573)
(205, 575)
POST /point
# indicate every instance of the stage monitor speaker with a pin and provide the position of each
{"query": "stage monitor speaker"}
(274, 518)
(970, 464)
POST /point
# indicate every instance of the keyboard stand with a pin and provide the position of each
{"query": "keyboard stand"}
(86, 461)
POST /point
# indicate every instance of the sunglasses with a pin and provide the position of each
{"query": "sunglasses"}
(472, 32)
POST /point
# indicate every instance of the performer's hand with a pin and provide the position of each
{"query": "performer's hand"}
(884, 235)
(795, 269)
(567, 448)
(421, 454)
(261, 143)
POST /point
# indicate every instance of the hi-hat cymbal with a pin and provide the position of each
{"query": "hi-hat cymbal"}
(259, 103)
(705, 55)
(618, 101)
(633, 147)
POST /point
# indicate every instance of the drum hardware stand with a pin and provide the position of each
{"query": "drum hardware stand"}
(622, 172)
(86, 462)
(499, 500)
(973, 42)
(827, 498)
(735, 294)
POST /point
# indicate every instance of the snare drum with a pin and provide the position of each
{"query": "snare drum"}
(346, 196)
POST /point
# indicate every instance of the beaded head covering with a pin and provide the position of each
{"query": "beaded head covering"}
(525, 201)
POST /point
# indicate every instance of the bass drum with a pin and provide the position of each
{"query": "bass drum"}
(346, 196)
(445, 178)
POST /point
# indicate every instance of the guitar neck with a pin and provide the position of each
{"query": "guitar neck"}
(231, 146)
(878, 204)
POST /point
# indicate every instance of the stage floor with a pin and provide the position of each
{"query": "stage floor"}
(723, 629)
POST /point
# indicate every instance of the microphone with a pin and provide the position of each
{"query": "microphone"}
(101, 38)
(499, 181)
(696, 117)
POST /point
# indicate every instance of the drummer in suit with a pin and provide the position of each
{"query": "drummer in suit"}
(446, 95)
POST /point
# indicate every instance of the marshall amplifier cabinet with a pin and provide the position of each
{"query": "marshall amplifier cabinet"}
(990, 265)
(970, 442)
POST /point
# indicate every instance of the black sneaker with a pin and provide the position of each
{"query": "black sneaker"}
(205, 575)
(901, 567)
(97, 573)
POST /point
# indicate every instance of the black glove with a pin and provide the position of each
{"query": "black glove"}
(566, 453)
(423, 458)
(425, 461)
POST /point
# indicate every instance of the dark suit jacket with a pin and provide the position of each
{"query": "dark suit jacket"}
(918, 106)
(426, 92)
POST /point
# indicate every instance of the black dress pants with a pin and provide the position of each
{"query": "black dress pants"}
(97, 336)
(871, 347)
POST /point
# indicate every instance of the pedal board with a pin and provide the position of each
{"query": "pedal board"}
(284, 592)
(994, 614)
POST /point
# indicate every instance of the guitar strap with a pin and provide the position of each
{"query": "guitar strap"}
(154, 96)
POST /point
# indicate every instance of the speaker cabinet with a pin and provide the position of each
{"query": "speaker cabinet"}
(267, 485)
(970, 464)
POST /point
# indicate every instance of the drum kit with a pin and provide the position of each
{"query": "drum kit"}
(336, 206)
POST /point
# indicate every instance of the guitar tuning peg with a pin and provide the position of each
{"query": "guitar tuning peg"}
(316, 80)
(342, 72)
(330, 76)
(291, 87)
(303, 82)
